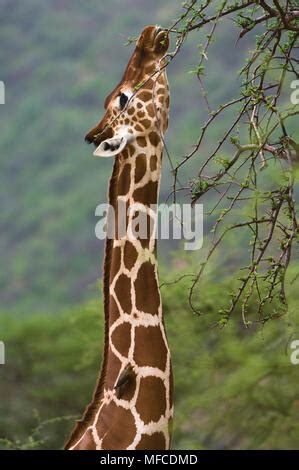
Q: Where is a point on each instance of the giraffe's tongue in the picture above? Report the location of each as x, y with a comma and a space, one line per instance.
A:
111, 147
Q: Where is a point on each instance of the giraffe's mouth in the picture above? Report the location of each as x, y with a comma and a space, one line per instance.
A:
161, 40
153, 39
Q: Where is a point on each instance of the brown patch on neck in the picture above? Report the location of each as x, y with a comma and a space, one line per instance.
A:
152, 391
155, 441
147, 194
140, 167
113, 439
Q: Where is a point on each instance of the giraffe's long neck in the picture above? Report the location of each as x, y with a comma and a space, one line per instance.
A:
135, 388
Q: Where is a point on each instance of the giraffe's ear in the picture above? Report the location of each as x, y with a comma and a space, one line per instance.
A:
111, 147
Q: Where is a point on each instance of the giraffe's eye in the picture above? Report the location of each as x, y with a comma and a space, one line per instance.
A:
122, 100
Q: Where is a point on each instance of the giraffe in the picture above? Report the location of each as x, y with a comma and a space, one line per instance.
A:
132, 406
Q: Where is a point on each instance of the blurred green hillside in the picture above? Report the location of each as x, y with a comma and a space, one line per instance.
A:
234, 387
59, 60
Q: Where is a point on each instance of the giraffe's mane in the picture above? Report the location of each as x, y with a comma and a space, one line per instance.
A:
98, 391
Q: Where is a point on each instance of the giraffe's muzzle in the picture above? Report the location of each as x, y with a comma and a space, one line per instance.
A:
113, 146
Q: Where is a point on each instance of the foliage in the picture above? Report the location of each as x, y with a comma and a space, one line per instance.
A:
265, 122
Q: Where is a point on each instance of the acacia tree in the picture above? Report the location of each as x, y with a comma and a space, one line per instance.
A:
258, 135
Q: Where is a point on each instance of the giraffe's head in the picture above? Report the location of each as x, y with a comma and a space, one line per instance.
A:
139, 102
